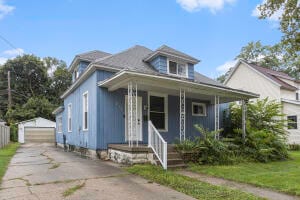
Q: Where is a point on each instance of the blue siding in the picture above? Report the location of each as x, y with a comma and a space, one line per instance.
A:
160, 64
79, 137
190, 71
173, 118
106, 118
80, 69
82, 66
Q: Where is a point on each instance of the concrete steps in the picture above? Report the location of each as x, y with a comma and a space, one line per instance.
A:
174, 159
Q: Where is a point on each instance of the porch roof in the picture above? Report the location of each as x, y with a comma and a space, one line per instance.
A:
171, 85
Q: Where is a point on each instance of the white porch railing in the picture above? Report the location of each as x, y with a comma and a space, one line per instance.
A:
158, 144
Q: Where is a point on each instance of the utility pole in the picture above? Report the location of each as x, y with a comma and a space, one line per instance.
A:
9, 90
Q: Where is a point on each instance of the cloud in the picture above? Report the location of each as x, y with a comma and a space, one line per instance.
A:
226, 66
274, 18
10, 54
5, 9
3, 60
212, 5
14, 52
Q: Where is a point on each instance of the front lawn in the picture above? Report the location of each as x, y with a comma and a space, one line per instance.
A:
5, 155
282, 176
189, 186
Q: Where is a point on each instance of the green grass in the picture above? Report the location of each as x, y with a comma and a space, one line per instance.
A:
6, 154
71, 190
283, 176
189, 186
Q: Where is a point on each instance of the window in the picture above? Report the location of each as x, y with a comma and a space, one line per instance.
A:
85, 110
158, 112
178, 69
198, 109
70, 117
297, 96
292, 122
59, 124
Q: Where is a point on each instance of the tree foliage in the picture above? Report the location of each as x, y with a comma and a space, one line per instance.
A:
35, 88
283, 56
289, 22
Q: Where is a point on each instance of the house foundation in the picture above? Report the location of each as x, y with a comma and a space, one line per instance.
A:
122, 153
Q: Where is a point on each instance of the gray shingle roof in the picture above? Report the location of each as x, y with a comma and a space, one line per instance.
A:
164, 49
200, 78
275, 76
131, 59
93, 55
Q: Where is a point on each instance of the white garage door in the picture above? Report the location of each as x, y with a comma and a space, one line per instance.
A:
40, 135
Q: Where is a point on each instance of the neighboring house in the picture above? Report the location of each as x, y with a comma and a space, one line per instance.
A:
271, 84
2, 122
38, 130
139, 95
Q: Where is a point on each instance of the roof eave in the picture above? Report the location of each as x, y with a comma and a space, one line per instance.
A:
104, 83
153, 55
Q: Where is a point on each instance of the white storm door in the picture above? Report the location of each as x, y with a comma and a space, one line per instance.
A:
139, 118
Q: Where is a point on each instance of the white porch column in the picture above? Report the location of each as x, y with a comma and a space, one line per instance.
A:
182, 114
244, 110
132, 113
217, 115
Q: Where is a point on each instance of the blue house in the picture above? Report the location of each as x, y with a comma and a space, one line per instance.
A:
141, 98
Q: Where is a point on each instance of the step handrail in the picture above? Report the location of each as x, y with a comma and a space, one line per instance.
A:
157, 143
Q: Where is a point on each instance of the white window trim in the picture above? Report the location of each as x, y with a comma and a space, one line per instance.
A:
177, 75
59, 117
68, 117
87, 103
199, 104
165, 96
296, 122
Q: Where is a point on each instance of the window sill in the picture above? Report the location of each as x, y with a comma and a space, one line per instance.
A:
178, 76
198, 115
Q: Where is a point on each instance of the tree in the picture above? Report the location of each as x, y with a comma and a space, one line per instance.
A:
60, 81
28, 78
283, 56
289, 22
35, 91
38, 106
52, 64
272, 57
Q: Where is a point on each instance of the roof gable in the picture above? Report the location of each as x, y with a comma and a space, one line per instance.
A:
267, 73
168, 51
89, 56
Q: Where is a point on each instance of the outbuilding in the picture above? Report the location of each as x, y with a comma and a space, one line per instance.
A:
38, 130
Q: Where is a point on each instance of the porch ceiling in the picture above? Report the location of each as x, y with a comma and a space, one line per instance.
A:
171, 86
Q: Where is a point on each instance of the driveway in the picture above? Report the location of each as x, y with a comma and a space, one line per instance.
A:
41, 171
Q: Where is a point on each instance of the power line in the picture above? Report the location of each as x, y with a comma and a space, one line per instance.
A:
10, 44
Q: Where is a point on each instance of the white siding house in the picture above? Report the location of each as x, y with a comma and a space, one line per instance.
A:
274, 85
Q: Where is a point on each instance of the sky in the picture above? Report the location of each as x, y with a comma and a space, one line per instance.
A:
213, 31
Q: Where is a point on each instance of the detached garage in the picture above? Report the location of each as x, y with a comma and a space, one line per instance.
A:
38, 130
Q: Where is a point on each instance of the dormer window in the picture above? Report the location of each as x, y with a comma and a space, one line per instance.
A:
177, 69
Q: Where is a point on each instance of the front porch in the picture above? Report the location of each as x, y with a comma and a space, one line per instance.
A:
159, 110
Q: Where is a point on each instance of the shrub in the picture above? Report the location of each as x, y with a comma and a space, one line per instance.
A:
294, 147
14, 133
266, 135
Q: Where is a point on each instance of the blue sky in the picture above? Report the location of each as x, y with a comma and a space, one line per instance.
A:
211, 30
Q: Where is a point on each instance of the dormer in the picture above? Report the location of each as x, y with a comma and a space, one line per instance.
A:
81, 62
169, 61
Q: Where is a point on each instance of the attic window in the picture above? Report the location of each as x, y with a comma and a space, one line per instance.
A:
178, 69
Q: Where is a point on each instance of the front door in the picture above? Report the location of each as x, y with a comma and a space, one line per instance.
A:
139, 128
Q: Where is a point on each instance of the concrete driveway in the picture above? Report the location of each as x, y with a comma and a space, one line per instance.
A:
41, 171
